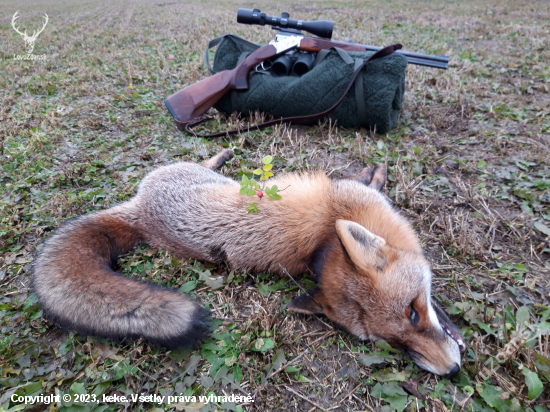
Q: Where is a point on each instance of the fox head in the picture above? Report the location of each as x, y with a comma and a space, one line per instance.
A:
376, 291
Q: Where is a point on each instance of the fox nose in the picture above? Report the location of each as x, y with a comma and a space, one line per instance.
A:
454, 371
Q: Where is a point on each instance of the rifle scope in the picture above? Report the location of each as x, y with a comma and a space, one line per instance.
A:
321, 28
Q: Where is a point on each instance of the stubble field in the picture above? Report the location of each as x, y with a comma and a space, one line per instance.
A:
468, 164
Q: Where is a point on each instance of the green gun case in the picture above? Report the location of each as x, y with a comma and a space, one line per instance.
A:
374, 102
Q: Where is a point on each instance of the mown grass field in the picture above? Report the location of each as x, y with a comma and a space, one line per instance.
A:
469, 165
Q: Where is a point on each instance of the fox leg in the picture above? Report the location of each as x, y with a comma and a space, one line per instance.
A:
374, 177
364, 176
217, 161
379, 176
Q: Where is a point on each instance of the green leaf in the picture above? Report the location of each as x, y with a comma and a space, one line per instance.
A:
541, 227
533, 383
268, 175
302, 378
369, 359
237, 373
188, 286
77, 387
258, 172
382, 344
376, 391
231, 276
215, 282
541, 184
393, 389
17, 408
263, 344
521, 267
392, 393
174, 262
522, 316
245, 179
398, 402
543, 365
250, 191
267, 168
267, 160
65, 347
388, 376
207, 381
275, 197
24, 361
265, 290
278, 359
243, 190
292, 369
36, 387
496, 399
181, 354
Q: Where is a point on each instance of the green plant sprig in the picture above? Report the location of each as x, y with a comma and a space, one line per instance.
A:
250, 187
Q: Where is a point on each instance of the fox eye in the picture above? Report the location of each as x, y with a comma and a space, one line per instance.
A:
414, 317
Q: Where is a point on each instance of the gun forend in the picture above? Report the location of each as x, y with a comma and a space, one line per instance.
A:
312, 44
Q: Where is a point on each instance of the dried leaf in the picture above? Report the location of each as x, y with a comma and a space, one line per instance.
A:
412, 387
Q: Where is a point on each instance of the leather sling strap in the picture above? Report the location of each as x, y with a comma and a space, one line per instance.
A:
188, 127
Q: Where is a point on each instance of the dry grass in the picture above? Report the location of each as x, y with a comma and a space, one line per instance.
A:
468, 162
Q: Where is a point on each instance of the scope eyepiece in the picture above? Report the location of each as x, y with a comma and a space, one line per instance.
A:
321, 28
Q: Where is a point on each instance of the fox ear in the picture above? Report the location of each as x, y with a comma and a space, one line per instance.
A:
307, 303
364, 248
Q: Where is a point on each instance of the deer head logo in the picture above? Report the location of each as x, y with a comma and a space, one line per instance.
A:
29, 40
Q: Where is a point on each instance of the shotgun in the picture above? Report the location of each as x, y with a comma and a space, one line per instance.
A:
323, 28
191, 103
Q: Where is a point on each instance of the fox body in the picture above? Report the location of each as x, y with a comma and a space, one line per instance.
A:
372, 277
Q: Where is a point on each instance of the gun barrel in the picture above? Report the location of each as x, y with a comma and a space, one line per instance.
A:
323, 28
439, 62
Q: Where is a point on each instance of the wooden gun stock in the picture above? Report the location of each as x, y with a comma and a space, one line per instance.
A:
192, 102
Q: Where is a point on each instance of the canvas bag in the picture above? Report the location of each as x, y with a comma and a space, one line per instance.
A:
373, 102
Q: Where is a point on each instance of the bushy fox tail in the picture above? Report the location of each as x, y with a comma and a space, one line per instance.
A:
74, 281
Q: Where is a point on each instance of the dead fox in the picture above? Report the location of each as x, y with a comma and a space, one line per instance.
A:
373, 279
